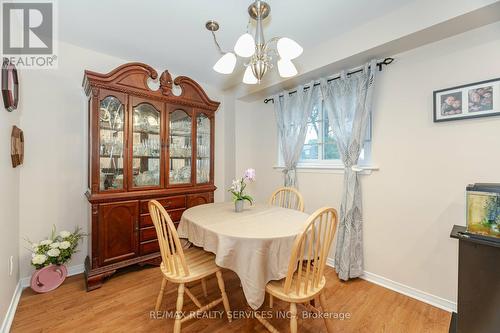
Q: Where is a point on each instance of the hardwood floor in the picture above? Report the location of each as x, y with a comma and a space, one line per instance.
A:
125, 302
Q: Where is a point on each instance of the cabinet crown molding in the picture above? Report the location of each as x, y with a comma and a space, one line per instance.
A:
132, 78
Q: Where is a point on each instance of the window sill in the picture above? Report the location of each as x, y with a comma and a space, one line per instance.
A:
322, 168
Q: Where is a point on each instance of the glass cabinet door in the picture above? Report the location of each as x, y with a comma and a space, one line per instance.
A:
202, 149
180, 148
146, 146
111, 134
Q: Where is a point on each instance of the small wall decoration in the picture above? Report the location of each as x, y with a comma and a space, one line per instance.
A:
10, 85
17, 146
480, 99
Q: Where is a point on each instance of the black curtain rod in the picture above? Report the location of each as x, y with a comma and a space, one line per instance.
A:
386, 61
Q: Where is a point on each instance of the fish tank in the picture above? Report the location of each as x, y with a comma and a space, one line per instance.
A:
483, 209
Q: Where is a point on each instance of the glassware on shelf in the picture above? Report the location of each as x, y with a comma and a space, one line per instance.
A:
148, 178
111, 120
180, 123
202, 171
150, 147
202, 149
180, 148
146, 145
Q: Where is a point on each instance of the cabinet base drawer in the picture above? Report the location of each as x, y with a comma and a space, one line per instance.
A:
148, 247
147, 234
169, 203
199, 199
175, 215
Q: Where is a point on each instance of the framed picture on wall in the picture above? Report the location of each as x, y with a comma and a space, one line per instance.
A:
480, 99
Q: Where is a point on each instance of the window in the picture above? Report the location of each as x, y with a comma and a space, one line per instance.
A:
319, 144
320, 149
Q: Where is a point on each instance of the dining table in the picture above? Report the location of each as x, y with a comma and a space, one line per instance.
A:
256, 243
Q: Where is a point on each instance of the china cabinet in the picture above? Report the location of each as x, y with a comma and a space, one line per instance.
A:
144, 144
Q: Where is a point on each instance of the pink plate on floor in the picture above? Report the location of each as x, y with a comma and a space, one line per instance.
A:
48, 278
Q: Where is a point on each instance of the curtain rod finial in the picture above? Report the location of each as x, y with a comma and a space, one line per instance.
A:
388, 61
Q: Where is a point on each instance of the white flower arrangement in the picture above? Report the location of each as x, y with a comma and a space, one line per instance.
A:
65, 234
46, 242
64, 245
38, 259
53, 252
57, 249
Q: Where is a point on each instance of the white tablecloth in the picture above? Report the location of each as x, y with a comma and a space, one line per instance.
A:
255, 243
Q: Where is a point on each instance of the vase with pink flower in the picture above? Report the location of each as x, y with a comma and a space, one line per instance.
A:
238, 190
49, 257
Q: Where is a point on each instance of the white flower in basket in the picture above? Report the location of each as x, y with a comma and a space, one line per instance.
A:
65, 234
38, 259
53, 252
64, 245
57, 249
46, 242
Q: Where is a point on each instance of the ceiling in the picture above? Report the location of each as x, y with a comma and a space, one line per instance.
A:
171, 34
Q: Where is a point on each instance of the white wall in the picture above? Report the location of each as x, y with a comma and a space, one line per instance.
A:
412, 202
9, 207
53, 178
229, 142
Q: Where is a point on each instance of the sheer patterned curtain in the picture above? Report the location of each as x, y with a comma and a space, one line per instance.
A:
348, 101
292, 112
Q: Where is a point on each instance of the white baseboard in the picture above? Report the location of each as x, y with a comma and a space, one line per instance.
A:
405, 290
24, 283
330, 262
11, 311
75, 270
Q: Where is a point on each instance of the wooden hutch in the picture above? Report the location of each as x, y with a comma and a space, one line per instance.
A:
143, 144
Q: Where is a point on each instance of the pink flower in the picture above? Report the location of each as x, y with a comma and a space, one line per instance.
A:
250, 174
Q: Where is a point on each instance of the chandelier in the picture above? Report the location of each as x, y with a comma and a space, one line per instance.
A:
259, 52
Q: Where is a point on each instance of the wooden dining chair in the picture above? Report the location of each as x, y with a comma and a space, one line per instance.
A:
182, 266
305, 278
287, 197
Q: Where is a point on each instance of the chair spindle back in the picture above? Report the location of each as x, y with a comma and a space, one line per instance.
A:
171, 251
310, 252
287, 197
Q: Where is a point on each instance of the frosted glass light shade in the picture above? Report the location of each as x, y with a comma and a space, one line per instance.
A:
248, 77
245, 46
286, 68
288, 48
226, 63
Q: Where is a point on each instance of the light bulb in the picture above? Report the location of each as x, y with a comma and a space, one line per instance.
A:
226, 63
248, 77
288, 48
286, 68
245, 46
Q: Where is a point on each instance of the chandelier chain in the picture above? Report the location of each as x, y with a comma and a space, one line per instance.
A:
217, 43
248, 25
